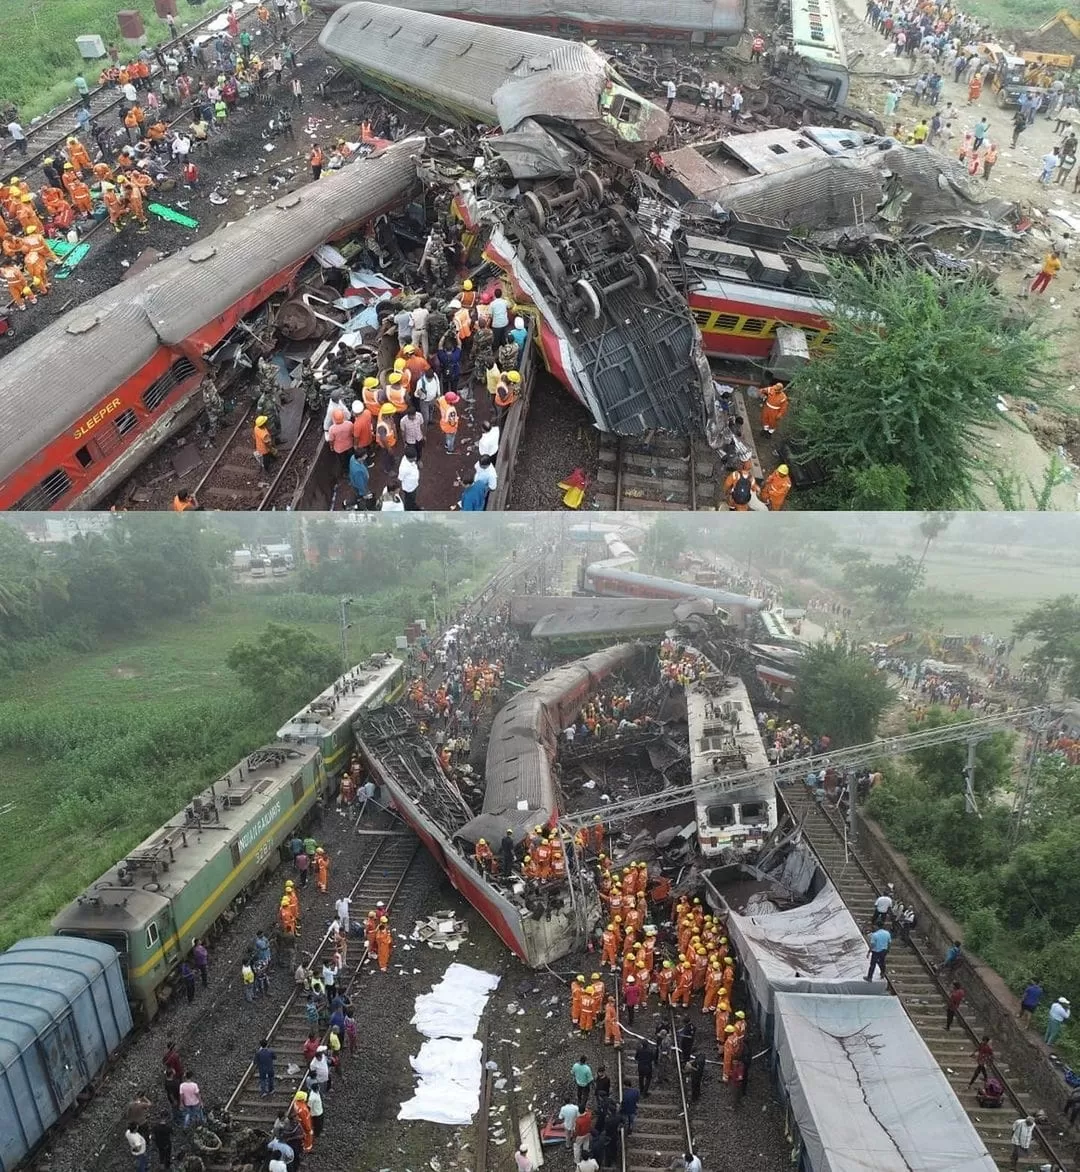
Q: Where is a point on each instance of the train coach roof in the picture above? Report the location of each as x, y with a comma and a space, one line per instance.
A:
469, 64
685, 589
625, 617
865, 1090
53, 379
40, 978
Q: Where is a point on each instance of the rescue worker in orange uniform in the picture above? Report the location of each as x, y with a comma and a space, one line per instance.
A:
77, 154
384, 944
37, 269
263, 440
665, 982
371, 928
684, 985
397, 393
448, 418
27, 215
975, 87
776, 488
713, 986
612, 1029
322, 869
774, 406
68, 177
542, 856
485, 859
286, 918
577, 991
740, 1024
597, 829
728, 977
53, 200
302, 1113
732, 1049
133, 196
11, 246
723, 1016
19, 288
609, 947
386, 436
506, 395
700, 966
293, 898
81, 197
103, 173
467, 296
589, 1008
739, 487
114, 204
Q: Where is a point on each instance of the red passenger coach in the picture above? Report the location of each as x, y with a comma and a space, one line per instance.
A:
86, 400
740, 320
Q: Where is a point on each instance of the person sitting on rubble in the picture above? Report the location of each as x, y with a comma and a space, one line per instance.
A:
991, 1093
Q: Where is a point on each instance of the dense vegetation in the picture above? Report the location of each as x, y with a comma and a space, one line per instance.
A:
896, 405
116, 698
839, 692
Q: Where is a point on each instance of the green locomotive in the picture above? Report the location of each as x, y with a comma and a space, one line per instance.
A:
175, 884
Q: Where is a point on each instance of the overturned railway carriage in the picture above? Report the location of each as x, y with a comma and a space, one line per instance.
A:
520, 792
85, 401
175, 884
601, 578
699, 23
326, 722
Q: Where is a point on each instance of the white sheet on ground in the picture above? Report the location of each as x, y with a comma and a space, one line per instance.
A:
449, 1062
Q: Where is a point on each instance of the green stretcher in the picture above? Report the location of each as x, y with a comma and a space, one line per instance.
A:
172, 215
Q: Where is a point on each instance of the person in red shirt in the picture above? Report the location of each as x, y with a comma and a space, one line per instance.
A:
983, 1056
956, 996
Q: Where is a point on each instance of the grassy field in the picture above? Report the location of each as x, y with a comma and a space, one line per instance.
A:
97, 750
40, 59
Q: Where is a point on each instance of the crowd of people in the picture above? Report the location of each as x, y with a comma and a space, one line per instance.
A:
148, 145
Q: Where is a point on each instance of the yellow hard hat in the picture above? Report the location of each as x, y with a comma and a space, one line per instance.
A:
611, 927
284, 901
260, 421
399, 363
408, 348
68, 167
386, 409
630, 980
783, 469
739, 1014
528, 858
289, 885
581, 977
370, 383
514, 376
394, 379
668, 964
481, 842
301, 1096
467, 285
383, 920
595, 977
729, 1029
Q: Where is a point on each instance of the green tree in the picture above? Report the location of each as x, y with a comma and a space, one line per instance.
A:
1055, 627
890, 584
880, 488
838, 691
931, 526
285, 667
913, 374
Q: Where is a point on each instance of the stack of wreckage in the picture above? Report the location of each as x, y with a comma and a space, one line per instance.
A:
641, 261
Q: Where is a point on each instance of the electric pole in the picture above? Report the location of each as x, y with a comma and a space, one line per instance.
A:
345, 603
970, 806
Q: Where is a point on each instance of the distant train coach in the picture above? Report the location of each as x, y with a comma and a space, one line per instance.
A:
175, 884
704, 23
601, 578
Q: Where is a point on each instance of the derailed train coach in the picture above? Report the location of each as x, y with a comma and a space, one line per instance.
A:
703, 24
86, 400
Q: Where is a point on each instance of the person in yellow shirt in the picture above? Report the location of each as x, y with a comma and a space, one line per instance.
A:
1051, 266
921, 132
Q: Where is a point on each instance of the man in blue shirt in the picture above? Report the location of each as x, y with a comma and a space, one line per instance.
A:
583, 1080
880, 939
474, 497
264, 1064
359, 478
1031, 998
500, 318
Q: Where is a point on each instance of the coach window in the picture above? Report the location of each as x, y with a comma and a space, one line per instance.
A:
720, 815
152, 936
161, 388
84, 457
50, 490
297, 789
752, 811
234, 850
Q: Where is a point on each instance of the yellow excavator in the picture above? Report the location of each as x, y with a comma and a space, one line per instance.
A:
1056, 60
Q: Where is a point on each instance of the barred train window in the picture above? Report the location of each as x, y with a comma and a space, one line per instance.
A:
160, 389
46, 494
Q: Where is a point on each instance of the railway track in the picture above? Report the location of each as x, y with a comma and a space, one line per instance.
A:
914, 979
381, 878
656, 472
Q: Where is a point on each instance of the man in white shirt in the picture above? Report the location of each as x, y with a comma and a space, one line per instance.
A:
882, 907
588, 1164
488, 444
342, 909
17, 135
390, 501
137, 1145
277, 1165
670, 90
1022, 1131
484, 472
181, 147
420, 317
568, 1116
409, 477
131, 94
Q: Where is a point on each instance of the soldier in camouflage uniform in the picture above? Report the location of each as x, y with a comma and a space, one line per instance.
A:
433, 264
437, 323
269, 402
483, 351
215, 407
507, 357
313, 394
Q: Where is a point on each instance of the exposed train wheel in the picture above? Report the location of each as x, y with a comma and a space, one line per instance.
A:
549, 260
758, 103
633, 236
593, 185
650, 271
589, 297
534, 207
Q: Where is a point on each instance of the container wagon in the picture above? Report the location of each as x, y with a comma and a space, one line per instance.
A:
63, 1012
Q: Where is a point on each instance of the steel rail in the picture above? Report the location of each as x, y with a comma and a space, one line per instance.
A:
687, 1130
291, 1001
